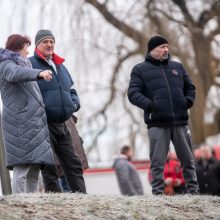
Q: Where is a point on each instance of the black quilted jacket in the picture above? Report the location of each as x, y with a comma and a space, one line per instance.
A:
163, 90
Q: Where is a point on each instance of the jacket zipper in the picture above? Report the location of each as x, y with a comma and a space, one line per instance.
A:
61, 100
61, 94
168, 87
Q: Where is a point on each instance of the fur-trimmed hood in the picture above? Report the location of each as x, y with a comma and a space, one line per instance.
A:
14, 56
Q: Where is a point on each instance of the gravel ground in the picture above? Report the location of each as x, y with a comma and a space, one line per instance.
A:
89, 207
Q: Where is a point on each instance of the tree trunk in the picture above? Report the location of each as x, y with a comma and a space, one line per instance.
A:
4, 173
197, 115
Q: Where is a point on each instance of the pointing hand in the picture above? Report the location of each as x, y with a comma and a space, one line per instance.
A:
46, 75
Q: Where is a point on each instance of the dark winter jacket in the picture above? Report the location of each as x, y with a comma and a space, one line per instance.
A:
127, 176
60, 99
163, 90
208, 176
77, 142
24, 123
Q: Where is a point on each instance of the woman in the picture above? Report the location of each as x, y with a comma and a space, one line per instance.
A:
24, 123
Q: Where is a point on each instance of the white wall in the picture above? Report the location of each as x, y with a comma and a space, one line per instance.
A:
106, 183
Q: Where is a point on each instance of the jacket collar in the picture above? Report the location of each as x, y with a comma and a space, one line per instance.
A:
56, 59
14, 56
150, 59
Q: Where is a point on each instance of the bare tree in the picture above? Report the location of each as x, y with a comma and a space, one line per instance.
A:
102, 40
191, 43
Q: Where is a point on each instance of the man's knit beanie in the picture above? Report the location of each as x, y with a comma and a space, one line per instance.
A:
41, 35
155, 42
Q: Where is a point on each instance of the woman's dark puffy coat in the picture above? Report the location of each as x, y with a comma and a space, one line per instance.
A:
163, 90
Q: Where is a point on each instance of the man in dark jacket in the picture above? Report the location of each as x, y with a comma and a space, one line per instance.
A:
61, 101
208, 172
165, 92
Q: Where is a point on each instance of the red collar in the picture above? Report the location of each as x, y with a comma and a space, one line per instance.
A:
56, 59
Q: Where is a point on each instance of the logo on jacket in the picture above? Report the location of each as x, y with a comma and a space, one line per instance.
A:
174, 72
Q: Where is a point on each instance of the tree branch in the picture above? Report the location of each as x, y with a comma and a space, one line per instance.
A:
170, 18
127, 109
182, 6
207, 15
103, 110
114, 77
95, 140
120, 25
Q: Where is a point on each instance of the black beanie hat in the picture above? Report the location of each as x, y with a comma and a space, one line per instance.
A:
42, 34
155, 42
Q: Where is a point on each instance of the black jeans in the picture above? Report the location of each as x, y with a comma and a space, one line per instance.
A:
62, 144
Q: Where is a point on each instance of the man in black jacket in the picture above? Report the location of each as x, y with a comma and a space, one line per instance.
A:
61, 101
165, 92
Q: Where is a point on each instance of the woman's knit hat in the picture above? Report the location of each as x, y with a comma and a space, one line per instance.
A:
155, 42
42, 34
